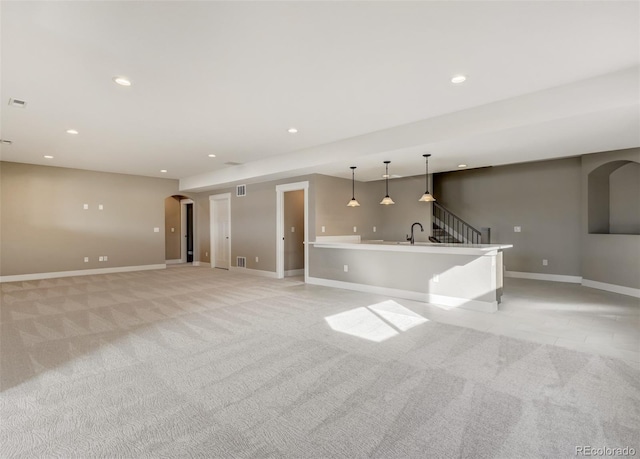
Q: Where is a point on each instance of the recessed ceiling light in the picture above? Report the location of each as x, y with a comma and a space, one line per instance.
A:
164, 171
48, 157
122, 81
292, 130
458, 79
462, 165
72, 131
211, 156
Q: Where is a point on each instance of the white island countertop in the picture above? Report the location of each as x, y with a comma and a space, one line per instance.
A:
418, 247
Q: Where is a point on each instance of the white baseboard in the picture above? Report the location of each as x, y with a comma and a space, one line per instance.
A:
173, 262
294, 272
544, 277
449, 302
80, 272
612, 288
254, 272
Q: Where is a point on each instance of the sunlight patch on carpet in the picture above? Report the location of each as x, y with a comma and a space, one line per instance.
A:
377, 322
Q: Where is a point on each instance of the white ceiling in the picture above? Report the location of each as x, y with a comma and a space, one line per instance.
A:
362, 82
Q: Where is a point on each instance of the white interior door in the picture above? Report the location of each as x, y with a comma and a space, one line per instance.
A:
221, 229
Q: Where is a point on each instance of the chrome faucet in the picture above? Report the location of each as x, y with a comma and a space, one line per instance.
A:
411, 238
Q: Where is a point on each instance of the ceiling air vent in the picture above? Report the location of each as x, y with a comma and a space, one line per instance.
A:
241, 190
17, 103
241, 262
232, 163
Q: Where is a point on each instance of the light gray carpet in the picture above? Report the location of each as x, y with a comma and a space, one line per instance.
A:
193, 362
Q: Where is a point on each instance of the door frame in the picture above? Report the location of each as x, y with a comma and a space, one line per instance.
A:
280, 191
183, 229
212, 221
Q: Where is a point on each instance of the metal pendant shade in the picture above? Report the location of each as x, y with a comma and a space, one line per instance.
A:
426, 197
387, 200
354, 202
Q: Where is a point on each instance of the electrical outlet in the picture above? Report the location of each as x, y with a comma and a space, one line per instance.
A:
173, 230
545, 262
517, 229
346, 268
355, 229
206, 254
106, 258
257, 260
85, 206
293, 229
100, 258
86, 259
156, 230
323, 229
100, 207
435, 278
374, 229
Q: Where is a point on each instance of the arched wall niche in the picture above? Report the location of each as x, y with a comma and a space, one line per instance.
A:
614, 198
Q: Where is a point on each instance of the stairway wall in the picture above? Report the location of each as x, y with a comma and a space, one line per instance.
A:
543, 198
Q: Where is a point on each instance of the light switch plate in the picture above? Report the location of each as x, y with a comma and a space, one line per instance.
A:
517, 229
156, 230
100, 207
85, 206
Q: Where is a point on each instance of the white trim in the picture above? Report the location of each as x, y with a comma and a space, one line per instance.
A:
173, 262
612, 288
280, 190
253, 272
544, 277
80, 272
183, 227
294, 272
448, 301
212, 247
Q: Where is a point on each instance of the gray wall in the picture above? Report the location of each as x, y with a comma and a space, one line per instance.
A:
610, 258
396, 220
172, 219
332, 196
44, 227
543, 198
294, 241
253, 222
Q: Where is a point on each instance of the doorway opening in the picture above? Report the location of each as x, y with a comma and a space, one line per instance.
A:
220, 230
186, 214
292, 229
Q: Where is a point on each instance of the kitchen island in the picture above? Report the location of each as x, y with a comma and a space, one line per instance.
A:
448, 275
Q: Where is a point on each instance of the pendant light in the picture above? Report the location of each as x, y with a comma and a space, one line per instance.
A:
387, 200
426, 197
354, 202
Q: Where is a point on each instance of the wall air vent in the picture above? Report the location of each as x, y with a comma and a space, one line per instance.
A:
232, 163
6, 142
241, 190
17, 103
241, 262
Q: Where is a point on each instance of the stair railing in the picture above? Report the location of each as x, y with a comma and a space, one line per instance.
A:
454, 226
